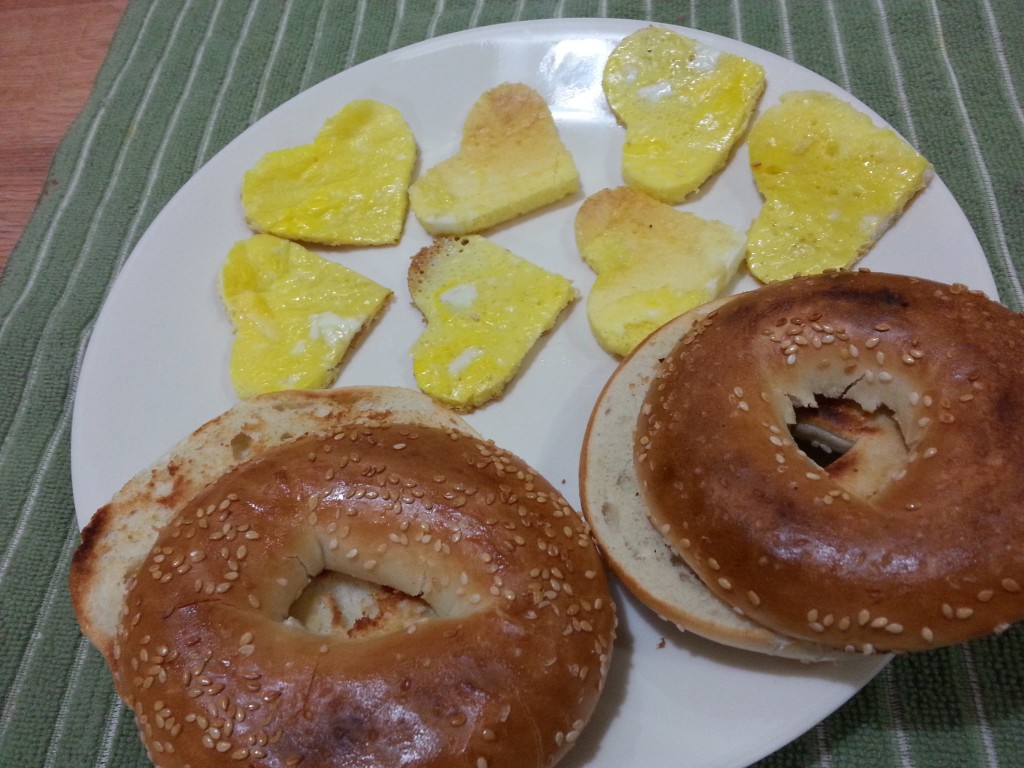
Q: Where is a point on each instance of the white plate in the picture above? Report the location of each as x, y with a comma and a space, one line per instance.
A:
157, 365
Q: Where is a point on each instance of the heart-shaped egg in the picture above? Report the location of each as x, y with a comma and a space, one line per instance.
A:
348, 187
511, 161
653, 263
833, 183
295, 314
684, 105
485, 308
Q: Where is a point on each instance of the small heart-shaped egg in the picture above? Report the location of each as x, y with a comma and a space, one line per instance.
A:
485, 308
833, 182
511, 161
684, 106
652, 261
349, 187
295, 314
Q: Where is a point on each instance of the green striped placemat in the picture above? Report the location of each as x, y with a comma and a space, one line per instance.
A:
184, 77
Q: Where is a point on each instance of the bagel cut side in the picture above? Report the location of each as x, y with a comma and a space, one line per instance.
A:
924, 552
637, 553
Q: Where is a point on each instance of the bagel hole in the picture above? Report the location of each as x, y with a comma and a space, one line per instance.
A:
820, 445
862, 450
345, 606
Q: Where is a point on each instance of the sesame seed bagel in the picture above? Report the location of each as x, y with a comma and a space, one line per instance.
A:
925, 553
640, 557
503, 664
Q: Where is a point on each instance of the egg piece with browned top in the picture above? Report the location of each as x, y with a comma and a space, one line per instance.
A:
485, 308
295, 314
684, 106
348, 187
511, 161
833, 182
653, 263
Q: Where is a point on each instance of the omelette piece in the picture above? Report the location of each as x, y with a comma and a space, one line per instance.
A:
653, 263
484, 308
832, 183
511, 161
295, 314
684, 106
349, 187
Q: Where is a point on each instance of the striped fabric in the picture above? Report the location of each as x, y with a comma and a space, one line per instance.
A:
184, 77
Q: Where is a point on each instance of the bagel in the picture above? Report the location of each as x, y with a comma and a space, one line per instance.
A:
498, 656
934, 553
638, 555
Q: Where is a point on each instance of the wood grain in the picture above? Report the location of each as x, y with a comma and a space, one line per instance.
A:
50, 52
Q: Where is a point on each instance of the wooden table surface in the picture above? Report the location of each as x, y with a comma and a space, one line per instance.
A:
50, 51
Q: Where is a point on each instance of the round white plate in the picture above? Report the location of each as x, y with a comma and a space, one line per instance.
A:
157, 364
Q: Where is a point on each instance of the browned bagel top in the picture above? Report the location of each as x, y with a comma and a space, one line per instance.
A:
504, 668
935, 553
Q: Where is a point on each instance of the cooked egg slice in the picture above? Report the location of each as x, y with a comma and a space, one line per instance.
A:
652, 261
484, 308
295, 314
350, 186
832, 183
684, 106
511, 161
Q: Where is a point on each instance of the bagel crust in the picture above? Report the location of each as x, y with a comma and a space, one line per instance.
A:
926, 553
502, 665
